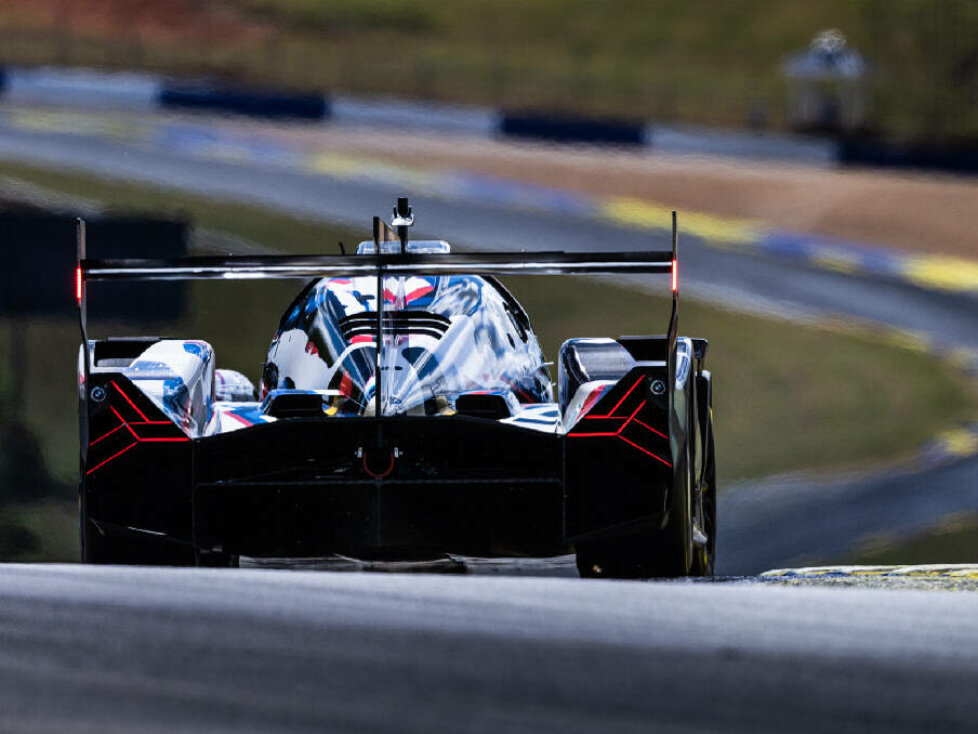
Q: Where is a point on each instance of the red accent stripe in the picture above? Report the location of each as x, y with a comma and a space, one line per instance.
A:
593, 398
624, 425
520, 393
155, 438
632, 416
620, 418
645, 451
623, 397
124, 421
418, 292
240, 419
129, 400
114, 456
121, 425
650, 428
78, 284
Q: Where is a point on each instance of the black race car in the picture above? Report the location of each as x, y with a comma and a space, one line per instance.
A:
405, 411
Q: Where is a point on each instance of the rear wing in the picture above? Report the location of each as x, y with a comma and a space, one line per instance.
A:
378, 265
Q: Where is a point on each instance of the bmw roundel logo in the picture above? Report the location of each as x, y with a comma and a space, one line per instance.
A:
658, 387
98, 393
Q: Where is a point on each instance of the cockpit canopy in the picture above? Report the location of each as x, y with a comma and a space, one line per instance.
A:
441, 336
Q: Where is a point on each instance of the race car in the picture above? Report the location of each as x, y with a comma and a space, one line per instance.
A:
405, 411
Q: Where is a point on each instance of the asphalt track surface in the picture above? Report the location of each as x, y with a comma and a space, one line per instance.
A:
112, 649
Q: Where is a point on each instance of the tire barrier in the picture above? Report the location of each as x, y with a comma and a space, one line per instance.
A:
244, 101
572, 129
878, 153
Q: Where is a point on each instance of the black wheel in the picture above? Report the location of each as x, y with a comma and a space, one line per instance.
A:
102, 548
94, 546
666, 552
704, 559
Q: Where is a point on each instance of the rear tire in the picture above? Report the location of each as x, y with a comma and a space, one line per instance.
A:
98, 549
102, 549
704, 559
666, 552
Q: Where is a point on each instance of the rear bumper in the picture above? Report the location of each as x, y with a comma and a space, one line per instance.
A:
399, 489
381, 519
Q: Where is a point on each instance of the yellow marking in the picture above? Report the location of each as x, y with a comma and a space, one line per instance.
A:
68, 122
641, 214
944, 273
959, 442
925, 570
338, 165
909, 340
334, 164
38, 120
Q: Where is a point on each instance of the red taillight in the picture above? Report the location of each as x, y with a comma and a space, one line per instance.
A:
78, 284
675, 276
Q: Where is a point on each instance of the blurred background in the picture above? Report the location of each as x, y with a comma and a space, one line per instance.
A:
822, 156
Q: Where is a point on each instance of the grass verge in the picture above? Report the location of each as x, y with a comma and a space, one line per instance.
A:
954, 540
39, 531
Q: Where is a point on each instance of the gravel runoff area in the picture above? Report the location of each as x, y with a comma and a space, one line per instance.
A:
908, 210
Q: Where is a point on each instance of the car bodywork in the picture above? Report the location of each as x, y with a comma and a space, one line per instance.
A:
406, 411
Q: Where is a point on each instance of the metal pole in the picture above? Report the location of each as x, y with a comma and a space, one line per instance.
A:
81, 293
380, 321
674, 318
673, 334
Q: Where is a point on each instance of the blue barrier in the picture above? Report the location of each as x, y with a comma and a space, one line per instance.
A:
571, 129
244, 101
956, 159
